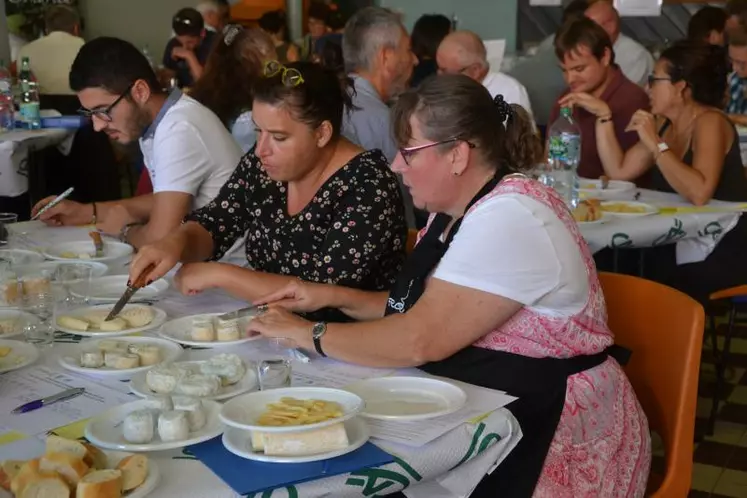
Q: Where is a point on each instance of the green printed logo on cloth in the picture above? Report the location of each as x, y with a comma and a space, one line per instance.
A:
478, 442
620, 240
376, 480
675, 233
270, 493
713, 230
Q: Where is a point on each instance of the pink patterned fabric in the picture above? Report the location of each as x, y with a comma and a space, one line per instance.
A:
602, 446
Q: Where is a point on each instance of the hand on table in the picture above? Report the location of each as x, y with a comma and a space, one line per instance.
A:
298, 295
66, 212
193, 278
277, 322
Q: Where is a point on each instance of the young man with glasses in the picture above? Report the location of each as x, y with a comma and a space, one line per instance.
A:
187, 51
189, 154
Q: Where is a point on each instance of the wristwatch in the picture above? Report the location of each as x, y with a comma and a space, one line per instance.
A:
663, 147
317, 331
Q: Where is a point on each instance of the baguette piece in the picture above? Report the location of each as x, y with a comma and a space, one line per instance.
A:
8, 470
70, 467
100, 484
28, 471
45, 485
95, 458
134, 471
57, 444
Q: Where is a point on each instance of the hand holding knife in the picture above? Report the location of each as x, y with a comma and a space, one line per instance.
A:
131, 290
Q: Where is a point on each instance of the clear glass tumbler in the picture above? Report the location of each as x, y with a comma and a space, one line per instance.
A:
276, 368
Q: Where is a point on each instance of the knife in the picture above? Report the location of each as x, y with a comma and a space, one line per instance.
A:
128, 293
39, 403
242, 312
98, 243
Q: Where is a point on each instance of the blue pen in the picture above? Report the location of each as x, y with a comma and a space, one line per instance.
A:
36, 404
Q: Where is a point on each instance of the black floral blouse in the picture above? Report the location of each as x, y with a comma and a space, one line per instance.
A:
351, 233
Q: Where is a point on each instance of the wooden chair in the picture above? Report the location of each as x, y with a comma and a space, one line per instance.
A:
664, 329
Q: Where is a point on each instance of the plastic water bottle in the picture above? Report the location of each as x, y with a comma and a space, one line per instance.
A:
7, 120
29, 106
564, 152
146, 53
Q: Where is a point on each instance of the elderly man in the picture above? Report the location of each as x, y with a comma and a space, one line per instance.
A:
214, 13
634, 60
463, 52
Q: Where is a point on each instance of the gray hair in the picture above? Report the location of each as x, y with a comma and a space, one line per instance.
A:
205, 6
371, 29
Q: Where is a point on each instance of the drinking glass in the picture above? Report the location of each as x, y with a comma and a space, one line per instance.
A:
275, 369
78, 275
6, 219
41, 304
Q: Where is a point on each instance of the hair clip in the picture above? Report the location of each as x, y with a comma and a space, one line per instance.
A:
504, 108
230, 33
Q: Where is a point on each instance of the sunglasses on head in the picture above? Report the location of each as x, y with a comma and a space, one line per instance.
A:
289, 76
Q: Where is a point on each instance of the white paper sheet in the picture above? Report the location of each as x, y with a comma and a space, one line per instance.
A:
22, 386
637, 8
322, 372
546, 3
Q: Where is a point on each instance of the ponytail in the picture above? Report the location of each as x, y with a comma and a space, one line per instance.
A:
523, 147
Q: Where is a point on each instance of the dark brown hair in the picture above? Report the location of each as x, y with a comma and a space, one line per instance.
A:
707, 19
323, 95
583, 32
235, 63
455, 106
703, 67
737, 8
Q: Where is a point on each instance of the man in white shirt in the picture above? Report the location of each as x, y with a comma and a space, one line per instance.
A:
188, 152
634, 60
52, 55
463, 52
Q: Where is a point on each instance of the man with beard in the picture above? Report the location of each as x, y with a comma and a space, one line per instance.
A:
587, 60
187, 151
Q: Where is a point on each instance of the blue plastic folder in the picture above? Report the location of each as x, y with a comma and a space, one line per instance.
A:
247, 476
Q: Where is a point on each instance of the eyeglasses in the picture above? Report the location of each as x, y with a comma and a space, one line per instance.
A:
408, 152
653, 79
737, 63
289, 76
105, 113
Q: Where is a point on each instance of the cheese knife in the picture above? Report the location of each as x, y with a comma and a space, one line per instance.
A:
98, 243
128, 293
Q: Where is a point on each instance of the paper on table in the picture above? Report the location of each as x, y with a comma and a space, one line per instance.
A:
633, 8
26, 385
329, 373
479, 402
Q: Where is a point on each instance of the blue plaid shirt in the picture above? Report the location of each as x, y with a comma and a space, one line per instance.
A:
737, 102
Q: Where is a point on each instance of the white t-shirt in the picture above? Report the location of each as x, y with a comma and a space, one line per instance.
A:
51, 58
516, 247
190, 151
513, 92
634, 60
244, 131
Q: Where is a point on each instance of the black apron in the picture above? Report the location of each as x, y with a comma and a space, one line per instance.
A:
539, 383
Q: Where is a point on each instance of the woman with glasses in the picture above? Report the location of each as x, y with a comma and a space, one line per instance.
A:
231, 70
501, 291
692, 149
312, 205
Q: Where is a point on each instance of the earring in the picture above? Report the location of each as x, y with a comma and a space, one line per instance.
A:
455, 173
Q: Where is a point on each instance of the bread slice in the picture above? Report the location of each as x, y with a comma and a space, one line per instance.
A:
45, 485
95, 458
57, 444
28, 471
134, 471
8, 470
67, 465
100, 484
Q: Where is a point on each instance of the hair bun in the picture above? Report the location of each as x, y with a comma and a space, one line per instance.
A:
504, 108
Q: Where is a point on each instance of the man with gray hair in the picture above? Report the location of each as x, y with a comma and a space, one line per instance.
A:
52, 55
376, 50
463, 52
214, 13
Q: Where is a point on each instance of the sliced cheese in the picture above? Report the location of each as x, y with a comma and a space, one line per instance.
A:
312, 442
134, 471
73, 323
100, 484
70, 467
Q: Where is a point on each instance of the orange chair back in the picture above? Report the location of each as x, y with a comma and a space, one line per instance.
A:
412, 237
664, 329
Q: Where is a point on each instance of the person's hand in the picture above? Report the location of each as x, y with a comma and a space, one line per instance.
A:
586, 101
66, 212
298, 295
153, 261
193, 278
117, 217
179, 53
277, 322
644, 123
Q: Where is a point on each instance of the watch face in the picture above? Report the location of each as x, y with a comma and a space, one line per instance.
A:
318, 330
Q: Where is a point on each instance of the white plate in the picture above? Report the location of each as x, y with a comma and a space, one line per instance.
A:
243, 411
169, 352
112, 251
113, 458
179, 330
139, 386
21, 318
239, 442
158, 319
604, 219
21, 355
649, 209
594, 187
106, 429
21, 256
408, 398
110, 289
97, 269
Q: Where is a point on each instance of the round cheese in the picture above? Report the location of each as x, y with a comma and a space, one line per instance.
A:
163, 379
202, 330
173, 426
138, 427
149, 355
198, 385
111, 358
229, 367
137, 316
161, 403
196, 416
92, 359
112, 345
228, 330
127, 360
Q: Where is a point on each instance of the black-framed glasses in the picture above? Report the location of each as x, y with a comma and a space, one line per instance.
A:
408, 152
289, 76
653, 79
105, 113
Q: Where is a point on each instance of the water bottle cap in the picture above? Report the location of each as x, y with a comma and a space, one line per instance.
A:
566, 111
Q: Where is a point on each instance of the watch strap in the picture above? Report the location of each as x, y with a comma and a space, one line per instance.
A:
317, 332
